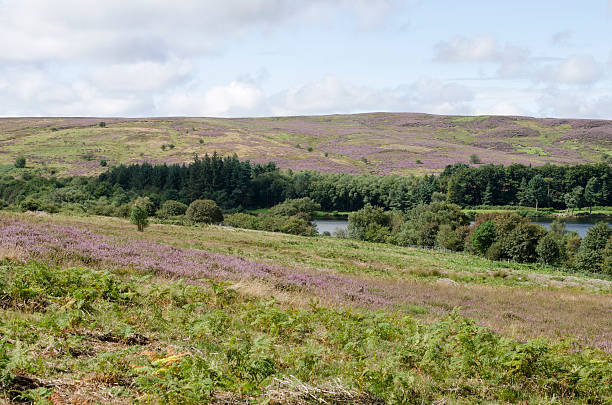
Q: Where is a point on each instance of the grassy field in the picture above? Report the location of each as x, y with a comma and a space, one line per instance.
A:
182, 314
398, 143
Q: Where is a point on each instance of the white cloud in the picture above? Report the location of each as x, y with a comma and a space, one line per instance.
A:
234, 99
326, 96
331, 95
127, 31
142, 76
506, 108
512, 60
461, 49
574, 70
571, 103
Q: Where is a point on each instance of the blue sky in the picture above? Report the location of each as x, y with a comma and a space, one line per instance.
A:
287, 57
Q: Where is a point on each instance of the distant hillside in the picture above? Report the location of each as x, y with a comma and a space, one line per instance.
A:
380, 143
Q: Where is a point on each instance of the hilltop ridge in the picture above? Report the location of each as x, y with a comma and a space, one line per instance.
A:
377, 143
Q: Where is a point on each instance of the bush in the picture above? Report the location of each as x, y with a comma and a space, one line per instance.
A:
292, 207
548, 250
422, 223
448, 238
369, 223
20, 162
296, 225
147, 204
483, 237
204, 211
520, 244
241, 220
34, 204
139, 217
590, 256
607, 254
171, 208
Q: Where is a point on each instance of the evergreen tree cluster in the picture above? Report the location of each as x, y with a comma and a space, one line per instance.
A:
542, 186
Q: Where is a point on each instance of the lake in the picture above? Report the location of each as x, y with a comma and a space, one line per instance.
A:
574, 225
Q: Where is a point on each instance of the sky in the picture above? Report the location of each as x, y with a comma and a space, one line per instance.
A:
245, 58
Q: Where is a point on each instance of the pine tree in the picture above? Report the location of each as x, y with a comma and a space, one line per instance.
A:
521, 194
487, 196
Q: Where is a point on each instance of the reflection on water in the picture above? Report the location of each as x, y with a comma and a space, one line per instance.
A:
330, 225
582, 227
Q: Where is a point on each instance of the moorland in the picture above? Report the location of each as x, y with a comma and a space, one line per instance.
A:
142, 274
376, 143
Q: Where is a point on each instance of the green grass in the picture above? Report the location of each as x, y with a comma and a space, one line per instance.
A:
92, 335
543, 301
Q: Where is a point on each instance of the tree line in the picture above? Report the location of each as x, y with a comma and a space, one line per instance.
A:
233, 183
236, 185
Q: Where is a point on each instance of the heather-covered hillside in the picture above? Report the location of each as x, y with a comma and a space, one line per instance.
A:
380, 143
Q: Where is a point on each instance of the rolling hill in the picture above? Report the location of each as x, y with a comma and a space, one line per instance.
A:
378, 143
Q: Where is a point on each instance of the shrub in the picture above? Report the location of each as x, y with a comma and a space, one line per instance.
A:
20, 162
520, 244
494, 252
35, 204
296, 225
102, 124
242, 220
474, 159
483, 237
147, 204
449, 238
204, 211
590, 256
607, 254
103, 163
369, 222
171, 208
422, 223
139, 217
548, 250
294, 206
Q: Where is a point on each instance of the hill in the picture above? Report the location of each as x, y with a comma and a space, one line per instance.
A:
190, 315
379, 143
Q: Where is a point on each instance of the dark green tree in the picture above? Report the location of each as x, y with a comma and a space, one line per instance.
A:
483, 237
536, 190
521, 194
592, 192
204, 211
487, 196
590, 256
548, 250
20, 162
139, 217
